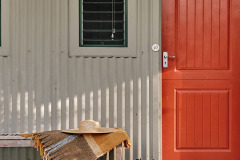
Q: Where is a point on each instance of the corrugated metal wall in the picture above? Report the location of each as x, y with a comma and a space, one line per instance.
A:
42, 88
19, 154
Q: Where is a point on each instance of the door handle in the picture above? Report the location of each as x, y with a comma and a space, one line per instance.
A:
165, 59
169, 56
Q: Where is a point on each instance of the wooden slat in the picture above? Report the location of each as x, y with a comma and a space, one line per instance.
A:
190, 110
224, 120
206, 120
214, 120
224, 29
207, 50
199, 115
181, 103
199, 34
216, 33
191, 12
182, 33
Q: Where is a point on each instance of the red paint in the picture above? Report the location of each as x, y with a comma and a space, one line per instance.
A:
201, 86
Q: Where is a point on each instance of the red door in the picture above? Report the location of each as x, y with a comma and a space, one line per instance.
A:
201, 86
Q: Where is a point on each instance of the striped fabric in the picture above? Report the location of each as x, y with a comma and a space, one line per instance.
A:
58, 145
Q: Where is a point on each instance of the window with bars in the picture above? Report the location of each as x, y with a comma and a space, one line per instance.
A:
103, 23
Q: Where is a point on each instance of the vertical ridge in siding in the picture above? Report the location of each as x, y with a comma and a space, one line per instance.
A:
79, 88
82, 75
145, 82
34, 70
96, 89
103, 91
1, 95
14, 64
57, 64
127, 101
53, 86
156, 84
72, 93
119, 92
38, 67
87, 77
46, 64
30, 66
112, 93
63, 64
23, 113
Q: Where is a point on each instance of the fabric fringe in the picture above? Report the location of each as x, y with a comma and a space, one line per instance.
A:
37, 144
127, 143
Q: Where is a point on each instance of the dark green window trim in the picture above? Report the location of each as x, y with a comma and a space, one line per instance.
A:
125, 25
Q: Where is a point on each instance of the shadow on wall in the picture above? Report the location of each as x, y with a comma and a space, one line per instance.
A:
103, 89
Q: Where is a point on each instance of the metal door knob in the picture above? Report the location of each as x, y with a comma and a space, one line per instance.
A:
165, 59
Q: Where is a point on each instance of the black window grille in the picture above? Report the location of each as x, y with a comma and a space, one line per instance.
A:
103, 23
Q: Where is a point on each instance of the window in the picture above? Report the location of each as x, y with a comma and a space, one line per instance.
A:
100, 28
103, 23
4, 27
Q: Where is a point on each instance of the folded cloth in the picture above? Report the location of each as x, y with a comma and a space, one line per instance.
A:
59, 145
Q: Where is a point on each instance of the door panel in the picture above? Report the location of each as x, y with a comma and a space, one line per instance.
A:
201, 85
197, 32
200, 120
202, 34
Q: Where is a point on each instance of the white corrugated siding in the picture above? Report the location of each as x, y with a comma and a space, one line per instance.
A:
42, 88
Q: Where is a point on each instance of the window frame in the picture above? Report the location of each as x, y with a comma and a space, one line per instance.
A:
125, 27
76, 50
4, 28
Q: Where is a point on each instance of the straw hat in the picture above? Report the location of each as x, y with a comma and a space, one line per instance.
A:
89, 126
